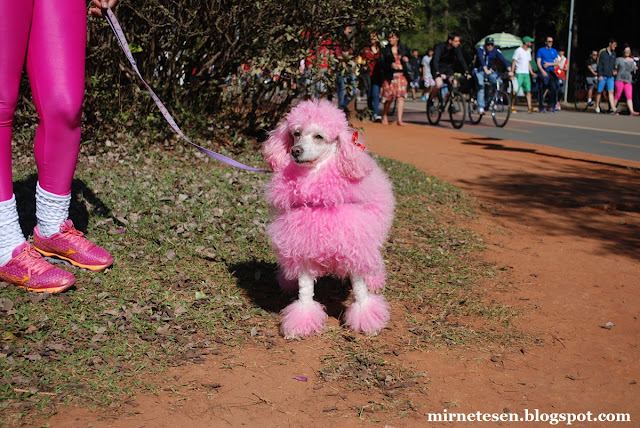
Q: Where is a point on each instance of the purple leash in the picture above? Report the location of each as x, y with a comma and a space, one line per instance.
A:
117, 30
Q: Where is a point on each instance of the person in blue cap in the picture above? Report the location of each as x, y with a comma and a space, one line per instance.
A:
487, 56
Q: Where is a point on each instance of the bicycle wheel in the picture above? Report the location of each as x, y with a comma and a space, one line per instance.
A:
457, 110
434, 109
500, 108
580, 98
472, 108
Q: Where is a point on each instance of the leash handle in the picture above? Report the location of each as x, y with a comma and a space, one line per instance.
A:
122, 40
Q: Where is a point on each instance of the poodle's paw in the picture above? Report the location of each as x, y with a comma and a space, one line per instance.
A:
289, 286
302, 319
368, 317
376, 281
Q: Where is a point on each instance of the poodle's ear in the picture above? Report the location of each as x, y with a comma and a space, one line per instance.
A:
276, 148
353, 162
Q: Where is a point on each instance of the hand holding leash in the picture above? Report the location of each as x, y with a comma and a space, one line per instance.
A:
101, 5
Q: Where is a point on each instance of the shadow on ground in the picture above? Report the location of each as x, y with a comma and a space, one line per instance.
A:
84, 203
258, 279
601, 200
490, 143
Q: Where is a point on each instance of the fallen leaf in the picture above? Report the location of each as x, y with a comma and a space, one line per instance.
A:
163, 329
608, 325
6, 304
301, 378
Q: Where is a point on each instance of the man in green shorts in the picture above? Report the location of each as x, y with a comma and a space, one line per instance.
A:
522, 66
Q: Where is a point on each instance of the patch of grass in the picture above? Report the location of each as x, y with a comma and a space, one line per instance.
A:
194, 271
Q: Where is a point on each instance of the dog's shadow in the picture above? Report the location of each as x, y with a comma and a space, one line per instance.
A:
258, 279
84, 203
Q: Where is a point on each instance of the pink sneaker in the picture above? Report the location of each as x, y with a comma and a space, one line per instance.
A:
28, 270
69, 245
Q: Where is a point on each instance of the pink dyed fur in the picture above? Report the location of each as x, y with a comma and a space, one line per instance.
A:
302, 319
333, 219
369, 316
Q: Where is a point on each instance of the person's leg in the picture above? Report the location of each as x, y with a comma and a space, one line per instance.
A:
385, 112
375, 99
525, 83
400, 110
493, 79
435, 88
601, 86
553, 92
55, 62
368, 88
15, 21
628, 92
618, 88
20, 264
610, 88
480, 80
559, 92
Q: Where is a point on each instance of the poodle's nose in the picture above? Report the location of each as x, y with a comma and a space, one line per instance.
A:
296, 151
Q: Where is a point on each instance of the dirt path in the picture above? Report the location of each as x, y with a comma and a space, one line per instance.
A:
565, 227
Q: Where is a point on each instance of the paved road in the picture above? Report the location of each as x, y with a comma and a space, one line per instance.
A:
603, 134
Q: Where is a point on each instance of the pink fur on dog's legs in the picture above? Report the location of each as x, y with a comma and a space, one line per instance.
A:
305, 316
376, 281
369, 313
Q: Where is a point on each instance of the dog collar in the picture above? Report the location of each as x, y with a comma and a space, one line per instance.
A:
354, 139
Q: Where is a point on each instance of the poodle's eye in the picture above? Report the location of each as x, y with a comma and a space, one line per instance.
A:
319, 137
296, 133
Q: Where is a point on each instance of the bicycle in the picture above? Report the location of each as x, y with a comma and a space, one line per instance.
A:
497, 101
581, 95
451, 101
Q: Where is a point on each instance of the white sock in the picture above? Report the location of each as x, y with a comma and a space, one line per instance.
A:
10, 233
51, 211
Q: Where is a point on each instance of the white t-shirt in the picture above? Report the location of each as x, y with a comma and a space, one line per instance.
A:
426, 70
522, 58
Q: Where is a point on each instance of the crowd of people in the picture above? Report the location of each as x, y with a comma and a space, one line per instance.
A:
392, 72
386, 72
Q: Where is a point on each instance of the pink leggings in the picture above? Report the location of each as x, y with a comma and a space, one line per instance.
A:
625, 87
51, 36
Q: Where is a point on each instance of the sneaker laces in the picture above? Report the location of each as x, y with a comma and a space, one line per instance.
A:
69, 230
33, 260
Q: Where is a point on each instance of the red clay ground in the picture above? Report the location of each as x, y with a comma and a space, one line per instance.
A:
565, 226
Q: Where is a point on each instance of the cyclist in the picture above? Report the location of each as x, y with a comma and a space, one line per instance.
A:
447, 58
486, 57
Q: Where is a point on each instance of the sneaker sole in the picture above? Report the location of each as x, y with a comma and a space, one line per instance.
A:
73, 262
53, 290
50, 290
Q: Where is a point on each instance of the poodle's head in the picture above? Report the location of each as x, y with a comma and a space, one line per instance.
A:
312, 133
